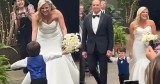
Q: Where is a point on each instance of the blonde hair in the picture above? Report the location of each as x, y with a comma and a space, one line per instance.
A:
153, 71
138, 16
40, 4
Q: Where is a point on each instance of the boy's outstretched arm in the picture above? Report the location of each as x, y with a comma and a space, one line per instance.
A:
19, 64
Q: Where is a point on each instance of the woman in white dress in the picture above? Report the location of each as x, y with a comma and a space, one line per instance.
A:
141, 25
48, 28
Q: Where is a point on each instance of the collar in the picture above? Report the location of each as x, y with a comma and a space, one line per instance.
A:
122, 58
98, 13
102, 10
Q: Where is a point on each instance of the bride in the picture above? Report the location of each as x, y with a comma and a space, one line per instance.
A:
48, 28
141, 25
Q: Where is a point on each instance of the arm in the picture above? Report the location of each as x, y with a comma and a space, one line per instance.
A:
61, 23
84, 34
34, 26
14, 20
114, 59
84, 38
153, 27
131, 39
19, 64
31, 11
129, 59
110, 34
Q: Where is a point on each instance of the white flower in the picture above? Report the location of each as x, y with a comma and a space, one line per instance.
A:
71, 43
146, 37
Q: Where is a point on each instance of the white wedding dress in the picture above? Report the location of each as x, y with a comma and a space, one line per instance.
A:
60, 70
139, 53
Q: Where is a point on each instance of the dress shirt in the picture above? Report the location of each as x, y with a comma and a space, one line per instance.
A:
103, 11
95, 22
115, 59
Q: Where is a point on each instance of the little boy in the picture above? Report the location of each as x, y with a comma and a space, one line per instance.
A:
123, 64
35, 63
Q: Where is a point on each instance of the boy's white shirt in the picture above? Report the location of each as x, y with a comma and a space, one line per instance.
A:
23, 62
115, 59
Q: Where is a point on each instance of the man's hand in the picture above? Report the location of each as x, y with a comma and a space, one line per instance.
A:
84, 54
150, 53
109, 53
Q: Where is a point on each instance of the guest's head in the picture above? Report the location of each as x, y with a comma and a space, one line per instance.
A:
103, 5
96, 6
142, 15
121, 52
33, 48
153, 71
81, 8
44, 8
20, 3
81, 12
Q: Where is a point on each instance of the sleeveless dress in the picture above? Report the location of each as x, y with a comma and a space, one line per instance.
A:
139, 54
24, 35
61, 70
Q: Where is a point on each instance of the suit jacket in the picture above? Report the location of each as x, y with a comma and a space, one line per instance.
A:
103, 39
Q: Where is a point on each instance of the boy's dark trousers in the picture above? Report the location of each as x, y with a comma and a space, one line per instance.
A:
122, 78
39, 81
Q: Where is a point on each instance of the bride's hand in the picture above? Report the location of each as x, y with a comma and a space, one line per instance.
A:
64, 52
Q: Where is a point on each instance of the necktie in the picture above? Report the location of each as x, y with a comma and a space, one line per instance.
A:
95, 16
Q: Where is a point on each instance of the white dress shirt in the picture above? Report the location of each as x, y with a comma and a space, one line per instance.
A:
80, 32
103, 11
95, 22
115, 59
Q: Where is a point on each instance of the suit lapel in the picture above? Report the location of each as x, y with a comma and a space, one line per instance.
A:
90, 22
100, 21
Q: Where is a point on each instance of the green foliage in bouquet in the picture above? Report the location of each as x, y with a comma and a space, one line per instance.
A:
119, 35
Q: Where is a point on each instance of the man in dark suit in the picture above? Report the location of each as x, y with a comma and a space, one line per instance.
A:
82, 60
97, 41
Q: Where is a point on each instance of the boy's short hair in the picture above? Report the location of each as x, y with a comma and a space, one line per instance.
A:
33, 48
121, 49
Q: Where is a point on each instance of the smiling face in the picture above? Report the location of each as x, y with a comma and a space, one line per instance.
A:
45, 9
121, 54
96, 6
20, 3
144, 15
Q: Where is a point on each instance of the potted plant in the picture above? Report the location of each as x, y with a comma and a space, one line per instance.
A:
119, 36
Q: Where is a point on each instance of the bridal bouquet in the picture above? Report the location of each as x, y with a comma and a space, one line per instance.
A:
71, 43
147, 37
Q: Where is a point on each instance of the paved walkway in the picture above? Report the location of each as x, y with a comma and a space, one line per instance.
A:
17, 76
